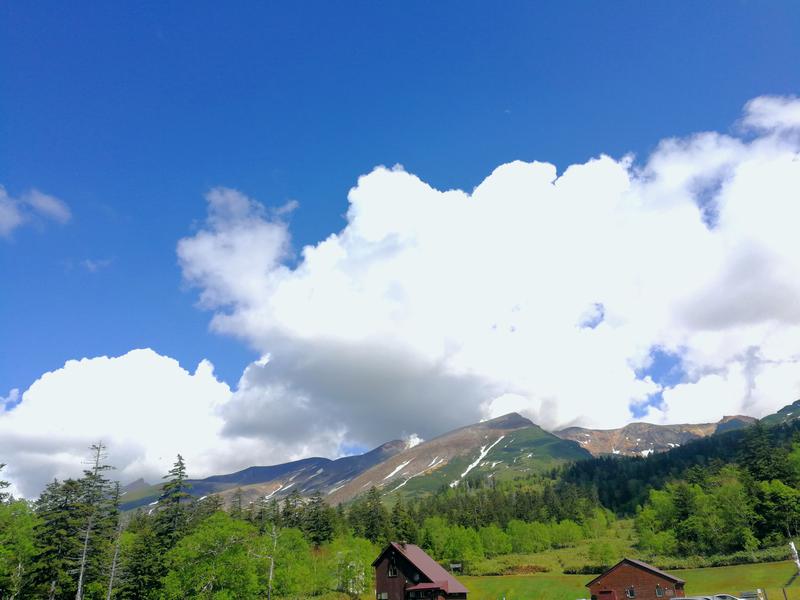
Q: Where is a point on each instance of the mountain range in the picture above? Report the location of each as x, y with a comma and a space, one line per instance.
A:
503, 448
642, 439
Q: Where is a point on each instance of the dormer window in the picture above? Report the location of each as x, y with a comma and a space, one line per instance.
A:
392, 571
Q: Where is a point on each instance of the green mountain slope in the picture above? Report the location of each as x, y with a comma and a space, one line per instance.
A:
504, 447
784, 415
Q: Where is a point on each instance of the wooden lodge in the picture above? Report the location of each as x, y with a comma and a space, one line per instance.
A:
406, 572
632, 579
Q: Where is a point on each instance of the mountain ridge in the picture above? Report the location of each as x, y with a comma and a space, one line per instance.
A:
642, 439
503, 447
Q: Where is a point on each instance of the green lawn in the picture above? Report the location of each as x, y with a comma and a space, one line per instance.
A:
732, 580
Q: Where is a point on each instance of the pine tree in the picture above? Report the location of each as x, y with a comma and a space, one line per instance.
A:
376, 518
115, 555
237, 501
142, 565
100, 514
4, 496
292, 512
762, 457
172, 515
403, 527
61, 519
318, 520
199, 510
265, 514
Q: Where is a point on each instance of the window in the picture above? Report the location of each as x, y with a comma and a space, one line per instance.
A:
630, 592
659, 591
392, 572
383, 595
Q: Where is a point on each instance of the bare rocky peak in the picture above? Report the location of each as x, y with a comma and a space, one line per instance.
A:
643, 439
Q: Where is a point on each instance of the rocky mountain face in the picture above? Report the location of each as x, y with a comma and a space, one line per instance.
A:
308, 475
502, 447
643, 439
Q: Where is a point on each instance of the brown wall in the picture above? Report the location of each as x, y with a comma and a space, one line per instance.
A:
643, 581
396, 586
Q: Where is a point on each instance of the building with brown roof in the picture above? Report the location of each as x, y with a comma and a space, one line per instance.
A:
406, 572
633, 579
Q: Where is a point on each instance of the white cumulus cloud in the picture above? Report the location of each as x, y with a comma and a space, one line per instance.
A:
142, 405
543, 292
146, 408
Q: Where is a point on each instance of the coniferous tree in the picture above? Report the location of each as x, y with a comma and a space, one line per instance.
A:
117, 540
171, 517
142, 564
292, 512
57, 536
202, 508
237, 504
4, 496
318, 520
762, 456
376, 518
100, 522
266, 513
404, 529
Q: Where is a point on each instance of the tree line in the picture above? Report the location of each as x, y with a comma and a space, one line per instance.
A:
74, 543
734, 492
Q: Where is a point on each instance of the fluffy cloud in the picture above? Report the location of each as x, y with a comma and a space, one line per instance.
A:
15, 212
773, 113
144, 406
544, 293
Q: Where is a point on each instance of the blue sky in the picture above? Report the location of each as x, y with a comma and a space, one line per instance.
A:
130, 113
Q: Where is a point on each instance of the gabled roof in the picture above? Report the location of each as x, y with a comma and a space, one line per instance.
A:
641, 565
427, 566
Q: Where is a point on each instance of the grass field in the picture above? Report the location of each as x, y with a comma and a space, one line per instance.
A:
733, 580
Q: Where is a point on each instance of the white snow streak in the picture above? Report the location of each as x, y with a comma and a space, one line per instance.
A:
273, 492
397, 469
481, 456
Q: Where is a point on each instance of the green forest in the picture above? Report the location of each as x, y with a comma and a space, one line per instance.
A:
731, 498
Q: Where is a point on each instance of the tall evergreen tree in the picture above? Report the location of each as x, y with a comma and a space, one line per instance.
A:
142, 564
404, 529
237, 504
4, 496
318, 520
762, 456
376, 518
171, 509
57, 534
292, 511
101, 515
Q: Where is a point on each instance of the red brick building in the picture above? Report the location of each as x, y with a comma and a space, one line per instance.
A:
405, 572
632, 579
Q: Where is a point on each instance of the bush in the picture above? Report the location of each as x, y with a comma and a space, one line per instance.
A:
565, 534
528, 537
495, 541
